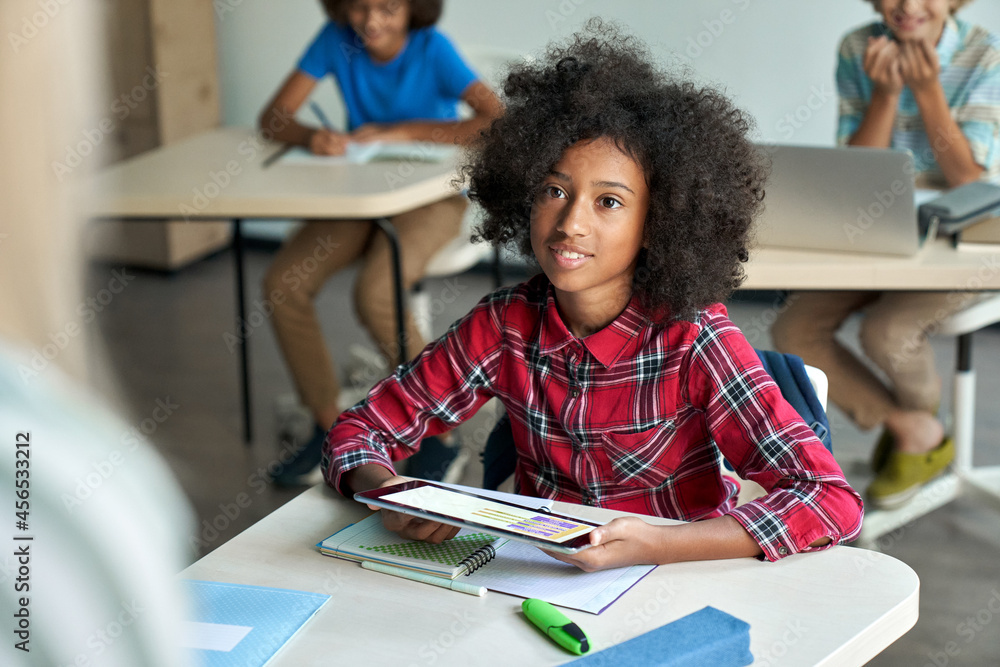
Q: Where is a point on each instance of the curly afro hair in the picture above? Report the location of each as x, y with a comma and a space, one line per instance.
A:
705, 177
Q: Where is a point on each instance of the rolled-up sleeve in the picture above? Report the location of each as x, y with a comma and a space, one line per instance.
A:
445, 385
766, 441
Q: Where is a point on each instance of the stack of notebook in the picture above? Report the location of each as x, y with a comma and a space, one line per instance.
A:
498, 564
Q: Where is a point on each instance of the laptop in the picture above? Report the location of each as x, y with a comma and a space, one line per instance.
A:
850, 199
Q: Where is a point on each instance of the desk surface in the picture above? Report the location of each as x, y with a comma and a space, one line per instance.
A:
837, 607
221, 174
937, 266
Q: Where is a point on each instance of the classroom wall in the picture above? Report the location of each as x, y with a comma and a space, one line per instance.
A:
775, 58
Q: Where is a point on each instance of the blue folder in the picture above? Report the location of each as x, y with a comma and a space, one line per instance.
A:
706, 638
274, 614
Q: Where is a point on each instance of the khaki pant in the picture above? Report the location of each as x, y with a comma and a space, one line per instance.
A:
323, 247
893, 335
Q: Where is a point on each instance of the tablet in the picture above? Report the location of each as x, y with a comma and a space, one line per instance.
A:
539, 527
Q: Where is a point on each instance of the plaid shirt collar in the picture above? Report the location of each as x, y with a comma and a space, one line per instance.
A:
615, 341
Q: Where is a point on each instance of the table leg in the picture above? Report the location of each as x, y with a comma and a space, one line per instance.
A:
240, 320
397, 276
964, 404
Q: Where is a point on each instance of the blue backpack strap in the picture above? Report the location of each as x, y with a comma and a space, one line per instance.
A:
789, 373
499, 455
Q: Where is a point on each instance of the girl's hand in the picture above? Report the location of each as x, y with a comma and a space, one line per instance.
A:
919, 65
378, 132
623, 542
327, 142
882, 65
412, 527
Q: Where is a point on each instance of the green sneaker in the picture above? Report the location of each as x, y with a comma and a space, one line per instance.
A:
903, 474
883, 448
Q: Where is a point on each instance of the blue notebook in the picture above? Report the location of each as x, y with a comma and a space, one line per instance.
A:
706, 638
243, 626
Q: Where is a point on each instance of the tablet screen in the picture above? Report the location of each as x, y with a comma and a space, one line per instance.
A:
459, 508
475, 509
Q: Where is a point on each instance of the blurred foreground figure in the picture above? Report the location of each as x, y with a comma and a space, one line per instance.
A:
95, 528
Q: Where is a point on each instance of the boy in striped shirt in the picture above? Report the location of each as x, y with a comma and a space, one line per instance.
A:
918, 79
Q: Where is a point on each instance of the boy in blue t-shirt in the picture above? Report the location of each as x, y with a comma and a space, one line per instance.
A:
401, 80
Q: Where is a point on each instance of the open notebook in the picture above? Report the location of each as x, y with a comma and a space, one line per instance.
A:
500, 565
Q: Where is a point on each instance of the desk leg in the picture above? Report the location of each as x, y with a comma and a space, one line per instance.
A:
240, 320
397, 276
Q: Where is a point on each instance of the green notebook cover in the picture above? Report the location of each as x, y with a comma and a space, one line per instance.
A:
369, 540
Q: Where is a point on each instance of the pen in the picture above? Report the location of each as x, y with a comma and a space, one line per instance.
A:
556, 625
318, 110
459, 586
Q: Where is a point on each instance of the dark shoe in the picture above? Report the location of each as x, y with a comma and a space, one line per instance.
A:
305, 460
883, 448
432, 460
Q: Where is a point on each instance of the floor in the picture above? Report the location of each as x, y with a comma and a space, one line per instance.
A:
169, 339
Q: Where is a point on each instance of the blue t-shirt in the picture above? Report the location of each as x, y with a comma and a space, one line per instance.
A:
424, 82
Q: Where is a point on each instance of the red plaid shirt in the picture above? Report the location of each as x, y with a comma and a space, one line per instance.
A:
632, 418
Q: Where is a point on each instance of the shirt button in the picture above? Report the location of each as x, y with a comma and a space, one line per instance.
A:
575, 393
783, 551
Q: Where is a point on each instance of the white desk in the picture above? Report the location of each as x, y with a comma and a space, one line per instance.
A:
837, 607
224, 174
937, 266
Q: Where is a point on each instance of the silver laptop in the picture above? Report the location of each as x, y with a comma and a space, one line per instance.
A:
850, 199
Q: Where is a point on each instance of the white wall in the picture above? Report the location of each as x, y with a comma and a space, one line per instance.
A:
775, 58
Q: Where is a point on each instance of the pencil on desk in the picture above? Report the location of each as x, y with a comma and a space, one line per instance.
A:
459, 586
274, 157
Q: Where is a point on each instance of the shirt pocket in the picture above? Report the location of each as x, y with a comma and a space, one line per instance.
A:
645, 459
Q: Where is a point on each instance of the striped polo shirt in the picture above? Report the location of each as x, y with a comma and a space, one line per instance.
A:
970, 75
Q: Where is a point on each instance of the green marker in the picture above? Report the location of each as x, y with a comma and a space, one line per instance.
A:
554, 623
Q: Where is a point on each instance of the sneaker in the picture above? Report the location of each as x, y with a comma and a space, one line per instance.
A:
303, 469
433, 460
903, 474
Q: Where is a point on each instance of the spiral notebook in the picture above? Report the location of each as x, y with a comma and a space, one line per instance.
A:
368, 540
498, 564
